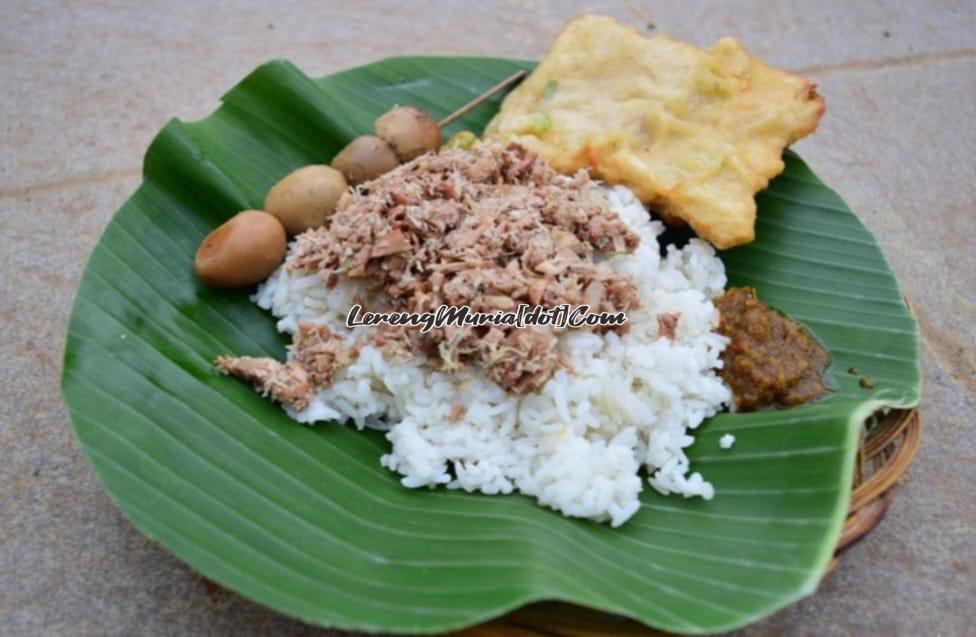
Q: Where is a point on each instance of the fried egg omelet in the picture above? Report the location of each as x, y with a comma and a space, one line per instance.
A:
695, 134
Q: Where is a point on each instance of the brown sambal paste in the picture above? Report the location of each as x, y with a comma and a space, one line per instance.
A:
771, 361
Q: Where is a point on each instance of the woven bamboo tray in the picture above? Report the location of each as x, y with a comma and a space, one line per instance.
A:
888, 444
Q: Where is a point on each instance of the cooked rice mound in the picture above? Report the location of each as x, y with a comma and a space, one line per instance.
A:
576, 445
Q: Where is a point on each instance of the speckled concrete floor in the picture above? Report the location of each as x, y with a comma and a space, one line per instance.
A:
86, 87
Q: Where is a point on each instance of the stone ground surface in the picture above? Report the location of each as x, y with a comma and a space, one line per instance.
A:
86, 87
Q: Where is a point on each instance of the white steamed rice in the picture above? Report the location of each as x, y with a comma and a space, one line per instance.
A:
576, 446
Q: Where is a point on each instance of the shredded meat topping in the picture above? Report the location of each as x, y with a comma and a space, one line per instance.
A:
488, 228
667, 324
521, 360
288, 383
321, 352
456, 413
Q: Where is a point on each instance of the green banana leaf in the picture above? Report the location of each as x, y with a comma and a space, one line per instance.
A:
305, 521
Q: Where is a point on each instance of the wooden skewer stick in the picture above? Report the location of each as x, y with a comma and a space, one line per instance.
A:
515, 77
